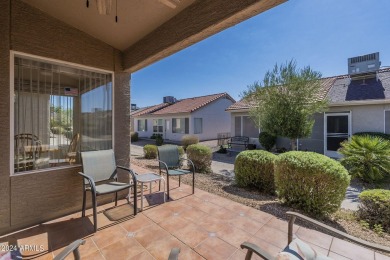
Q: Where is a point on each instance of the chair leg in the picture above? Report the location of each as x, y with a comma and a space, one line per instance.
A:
179, 180
193, 183
94, 206
135, 198
116, 199
168, 186
83, 209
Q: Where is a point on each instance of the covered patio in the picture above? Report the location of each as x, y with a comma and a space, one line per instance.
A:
203, 226
65, 70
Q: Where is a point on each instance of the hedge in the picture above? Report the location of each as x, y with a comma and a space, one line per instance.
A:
310, 181
150, 151
187, 140
267, 140
134, 136
375, 207
255, 169
201, 156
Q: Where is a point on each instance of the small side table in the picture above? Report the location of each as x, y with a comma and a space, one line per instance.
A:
148, 178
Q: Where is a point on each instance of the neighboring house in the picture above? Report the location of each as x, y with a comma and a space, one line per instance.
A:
358, 102
203, 116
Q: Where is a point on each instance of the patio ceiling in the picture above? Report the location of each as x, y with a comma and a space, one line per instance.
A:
148, 30
136, 18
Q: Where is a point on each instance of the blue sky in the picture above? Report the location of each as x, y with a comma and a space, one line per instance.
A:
320, 33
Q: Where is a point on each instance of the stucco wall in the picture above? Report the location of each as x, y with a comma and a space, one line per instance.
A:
215, 119
41, 196
367, 118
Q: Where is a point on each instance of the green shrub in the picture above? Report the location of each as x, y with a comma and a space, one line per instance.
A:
181, 151
159, 140
255, 169
267, 140
134, 136
375, 208
310, 181
201, 156
366, 157
374, 134
187, 140
150, 151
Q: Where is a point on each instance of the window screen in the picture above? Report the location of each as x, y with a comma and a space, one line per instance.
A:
58, 112
198, 125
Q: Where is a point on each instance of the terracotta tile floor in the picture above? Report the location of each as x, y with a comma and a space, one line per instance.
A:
203, 225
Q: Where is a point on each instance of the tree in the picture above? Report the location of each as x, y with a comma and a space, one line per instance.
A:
284, 104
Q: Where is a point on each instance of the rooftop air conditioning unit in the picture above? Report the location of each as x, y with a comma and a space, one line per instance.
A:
364, 66
169, 99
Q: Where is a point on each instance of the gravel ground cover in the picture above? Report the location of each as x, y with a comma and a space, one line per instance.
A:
343, 220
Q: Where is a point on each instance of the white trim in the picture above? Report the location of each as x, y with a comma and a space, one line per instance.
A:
12, 113
326, 114
384, 120
60, 62
361, 102
14, 54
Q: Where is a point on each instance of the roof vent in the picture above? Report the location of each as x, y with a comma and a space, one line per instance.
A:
364, 66
169, 100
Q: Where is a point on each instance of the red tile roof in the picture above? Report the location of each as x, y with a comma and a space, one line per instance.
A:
189, 105
240, 105
326, 84
149, 110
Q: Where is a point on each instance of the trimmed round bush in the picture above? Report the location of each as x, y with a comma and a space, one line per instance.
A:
201, 156
375, 207
181, 151
255, 169
367, 157
310, 181
134, 136
150, 151
267, 140
187, 140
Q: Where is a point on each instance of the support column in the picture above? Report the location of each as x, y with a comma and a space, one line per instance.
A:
5, 115
122, 121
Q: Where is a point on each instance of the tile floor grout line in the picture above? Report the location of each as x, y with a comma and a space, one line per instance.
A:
331, 243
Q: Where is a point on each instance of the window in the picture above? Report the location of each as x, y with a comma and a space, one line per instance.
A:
158, 126
249, 128
142, 125
198, 125
180, 125
59, 111
387, 122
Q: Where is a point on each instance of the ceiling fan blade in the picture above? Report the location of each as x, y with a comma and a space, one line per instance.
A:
169, 3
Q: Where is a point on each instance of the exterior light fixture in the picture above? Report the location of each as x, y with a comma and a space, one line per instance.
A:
104, 7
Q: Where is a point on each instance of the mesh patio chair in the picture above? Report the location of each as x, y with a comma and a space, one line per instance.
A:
99, 166
170, 161
297, 249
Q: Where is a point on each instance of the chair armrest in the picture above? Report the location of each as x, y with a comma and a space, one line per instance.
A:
165, 165
133, 175
174, 255
90, 180
73, 247
192, 164
252, 248
294, 215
